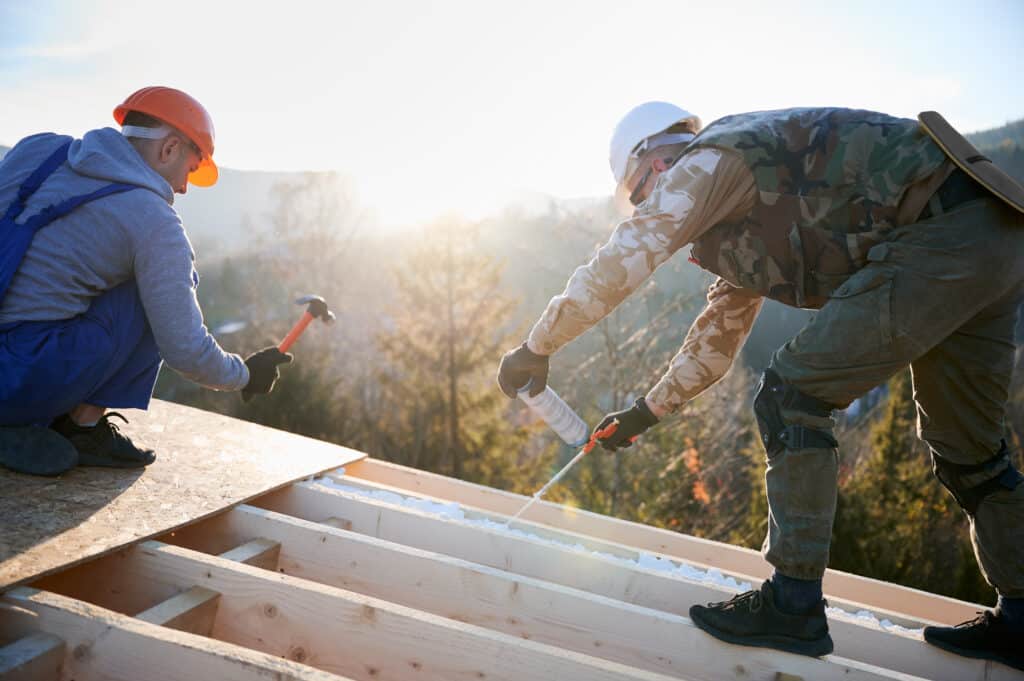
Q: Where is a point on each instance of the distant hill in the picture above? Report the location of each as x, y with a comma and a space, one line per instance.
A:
1004, 145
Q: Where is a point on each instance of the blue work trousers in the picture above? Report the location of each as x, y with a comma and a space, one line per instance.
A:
105, 357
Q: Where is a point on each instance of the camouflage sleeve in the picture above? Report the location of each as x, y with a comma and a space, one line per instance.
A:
687, 200
711, 344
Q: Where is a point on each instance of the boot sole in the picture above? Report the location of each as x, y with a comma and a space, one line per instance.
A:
110, 462
815, 648
976, 654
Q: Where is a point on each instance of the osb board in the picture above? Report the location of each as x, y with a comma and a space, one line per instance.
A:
204, 463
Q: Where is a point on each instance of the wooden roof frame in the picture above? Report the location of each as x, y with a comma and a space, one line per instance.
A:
312, 581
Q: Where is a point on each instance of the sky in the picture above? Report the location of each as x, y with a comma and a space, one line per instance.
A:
449, 106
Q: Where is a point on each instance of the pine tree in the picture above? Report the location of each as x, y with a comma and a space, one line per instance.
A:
895, 522
440, 408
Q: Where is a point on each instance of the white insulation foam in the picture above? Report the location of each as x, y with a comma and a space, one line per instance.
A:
452, 511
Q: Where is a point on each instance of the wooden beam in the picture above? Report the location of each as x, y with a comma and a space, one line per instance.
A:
516, 605
108, 646
193, 610
261, 553
35, 657
872, 593
347, 633
594, 573
621, 550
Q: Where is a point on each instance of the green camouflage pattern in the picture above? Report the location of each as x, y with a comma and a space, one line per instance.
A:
829, 184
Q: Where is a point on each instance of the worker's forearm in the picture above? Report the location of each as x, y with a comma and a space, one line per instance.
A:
711, 345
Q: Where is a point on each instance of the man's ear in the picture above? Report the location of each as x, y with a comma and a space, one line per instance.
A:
168, 148
659, 165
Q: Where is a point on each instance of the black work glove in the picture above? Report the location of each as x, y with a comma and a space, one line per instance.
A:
521, 366
631, 423
263, 371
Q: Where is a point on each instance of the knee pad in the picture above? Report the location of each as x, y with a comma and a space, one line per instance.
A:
971, 483
776, 434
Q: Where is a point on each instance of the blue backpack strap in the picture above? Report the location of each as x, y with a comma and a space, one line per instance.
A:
38, 176
59, 210
16, 238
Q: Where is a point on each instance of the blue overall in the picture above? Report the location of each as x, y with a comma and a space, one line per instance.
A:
105, 357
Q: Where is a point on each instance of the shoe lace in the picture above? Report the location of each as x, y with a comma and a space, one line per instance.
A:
111, 425
750, 600
983, 619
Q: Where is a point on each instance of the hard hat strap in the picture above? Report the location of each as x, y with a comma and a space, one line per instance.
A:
156, 133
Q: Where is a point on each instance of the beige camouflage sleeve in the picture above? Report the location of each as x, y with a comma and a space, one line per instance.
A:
711, 345
689, 198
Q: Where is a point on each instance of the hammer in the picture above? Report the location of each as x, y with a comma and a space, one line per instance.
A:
317, 307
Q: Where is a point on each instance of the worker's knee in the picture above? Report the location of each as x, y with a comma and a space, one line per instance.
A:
774, 399
971, 483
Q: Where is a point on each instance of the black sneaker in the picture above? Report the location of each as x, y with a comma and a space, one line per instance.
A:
753, 619
36, 451
985, 637
103, 444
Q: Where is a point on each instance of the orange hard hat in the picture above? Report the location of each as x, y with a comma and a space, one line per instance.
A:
182, 111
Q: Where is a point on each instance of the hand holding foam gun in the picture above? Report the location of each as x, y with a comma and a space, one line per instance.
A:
524, 373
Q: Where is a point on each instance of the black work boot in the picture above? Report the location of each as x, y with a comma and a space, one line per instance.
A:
753, 619
36, 451
986, 637
103, 444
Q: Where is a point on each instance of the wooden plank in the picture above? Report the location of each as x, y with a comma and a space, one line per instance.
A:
193, 610
35, 657
347, 633
591, 543
602, 575
106, 646
205, 463
513, 604
872, 593
262, 553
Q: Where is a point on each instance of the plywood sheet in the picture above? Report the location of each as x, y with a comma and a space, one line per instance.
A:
205, 463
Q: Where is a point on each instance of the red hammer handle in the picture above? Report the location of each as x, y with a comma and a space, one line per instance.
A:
296, 331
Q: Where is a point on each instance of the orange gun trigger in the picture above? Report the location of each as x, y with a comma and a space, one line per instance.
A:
607, 431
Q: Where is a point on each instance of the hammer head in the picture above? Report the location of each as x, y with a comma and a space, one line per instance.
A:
317, 308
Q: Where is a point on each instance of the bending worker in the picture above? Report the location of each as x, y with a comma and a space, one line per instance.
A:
97, 284
910, 260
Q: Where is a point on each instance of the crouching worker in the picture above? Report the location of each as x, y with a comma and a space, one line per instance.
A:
98, 286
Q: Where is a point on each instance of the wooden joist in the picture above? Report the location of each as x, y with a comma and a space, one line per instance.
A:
347, 633
597, 574
107, 646
192, 610
599, 545
521, 606
872, 593
195, 609
35, 657
262, 553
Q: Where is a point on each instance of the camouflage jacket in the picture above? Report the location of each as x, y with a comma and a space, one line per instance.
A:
702, 189
830, 183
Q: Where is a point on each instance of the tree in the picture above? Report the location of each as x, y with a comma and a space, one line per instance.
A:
895, 522
440, 408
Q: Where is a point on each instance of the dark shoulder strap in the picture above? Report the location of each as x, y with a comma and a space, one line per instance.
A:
59, 210
38, 176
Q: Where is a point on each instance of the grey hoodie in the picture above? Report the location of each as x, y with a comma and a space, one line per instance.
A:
133, 235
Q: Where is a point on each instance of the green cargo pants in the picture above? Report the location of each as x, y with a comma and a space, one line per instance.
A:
942, 296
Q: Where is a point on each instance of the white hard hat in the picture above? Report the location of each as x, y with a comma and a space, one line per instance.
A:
641, 123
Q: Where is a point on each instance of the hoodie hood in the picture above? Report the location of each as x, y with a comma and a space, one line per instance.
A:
105, 154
